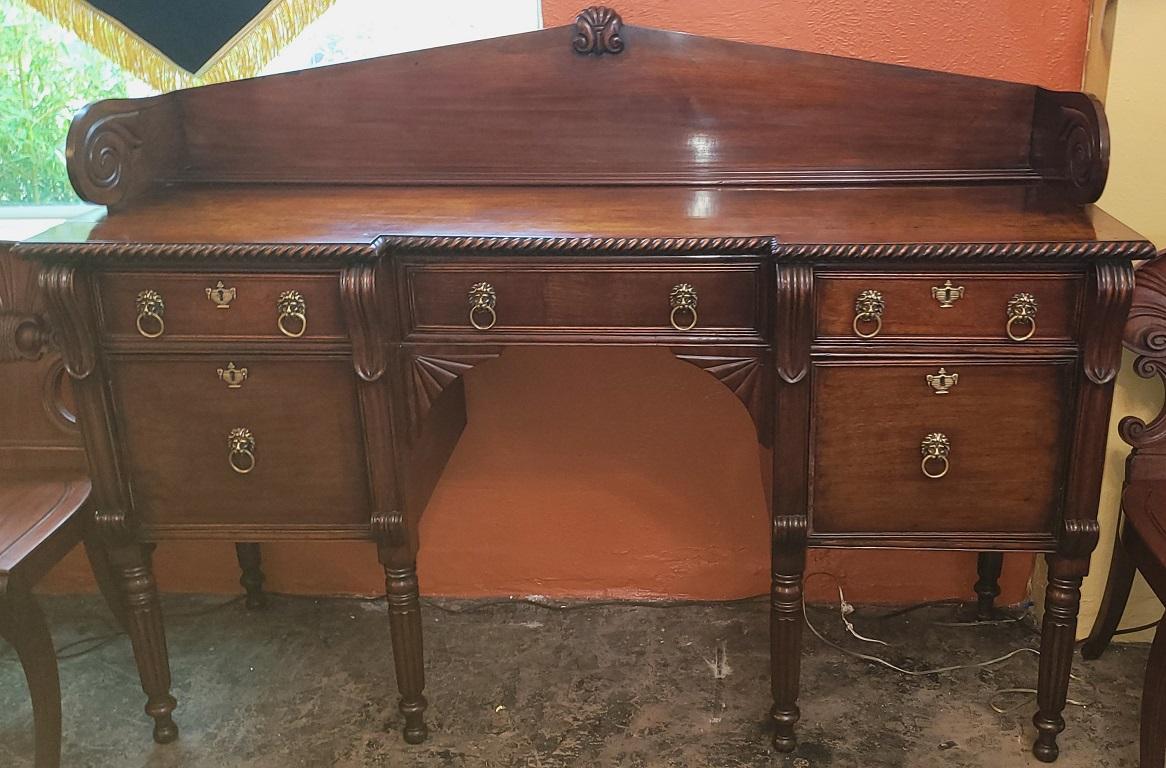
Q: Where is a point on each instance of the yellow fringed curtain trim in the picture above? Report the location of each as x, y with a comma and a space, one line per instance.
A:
244, 55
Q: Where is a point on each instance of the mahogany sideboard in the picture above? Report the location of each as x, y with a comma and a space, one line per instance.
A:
899, 273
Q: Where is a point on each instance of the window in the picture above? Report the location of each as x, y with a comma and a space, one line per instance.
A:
47, 74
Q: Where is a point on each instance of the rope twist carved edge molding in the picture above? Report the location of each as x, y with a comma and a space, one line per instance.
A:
305, 253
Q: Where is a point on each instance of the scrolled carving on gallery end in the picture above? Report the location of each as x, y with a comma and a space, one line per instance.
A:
1071, 142
597, 31
101, 159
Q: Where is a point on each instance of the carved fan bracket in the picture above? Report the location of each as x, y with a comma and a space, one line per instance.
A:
431, 376
742, 375
1145, 335
597, 31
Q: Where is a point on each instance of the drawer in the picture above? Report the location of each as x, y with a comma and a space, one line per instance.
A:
693, 299
177, 416
1005, 426
168, 305
973, 306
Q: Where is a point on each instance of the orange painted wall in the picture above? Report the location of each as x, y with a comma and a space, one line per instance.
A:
626, 473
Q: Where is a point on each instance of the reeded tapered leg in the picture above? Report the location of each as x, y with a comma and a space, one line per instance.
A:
408, 656
1062, 602
988, 567
23, 625
786, 619
1117, 593
251, 578
144, 624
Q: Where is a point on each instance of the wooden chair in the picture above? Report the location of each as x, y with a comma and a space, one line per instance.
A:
1141, 543
39, 523
44, 490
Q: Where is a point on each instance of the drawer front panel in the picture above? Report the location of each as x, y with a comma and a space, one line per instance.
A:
177, 416
565, 298
222, 306
973, 306
1006, 425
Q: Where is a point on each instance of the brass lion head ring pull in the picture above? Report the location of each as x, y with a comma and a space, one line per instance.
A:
482, 298
151, 310
683, 300
935, 448
241, 450
293, 314
868, 314
1021, 317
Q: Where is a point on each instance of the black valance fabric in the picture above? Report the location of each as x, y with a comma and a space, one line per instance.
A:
188, 32
176, 43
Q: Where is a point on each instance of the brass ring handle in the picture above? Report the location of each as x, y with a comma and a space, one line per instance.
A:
241, 450
868, 308
691, 322
941, 472
291, 306
482, 298
150, 305
935, 448
683, 299
1021, 310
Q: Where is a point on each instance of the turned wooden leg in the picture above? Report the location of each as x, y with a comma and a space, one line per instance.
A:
23, 625
144, 624
786, 619
1117, 593
988, 567
408, 656
1062, 601
250, 563
1153, 727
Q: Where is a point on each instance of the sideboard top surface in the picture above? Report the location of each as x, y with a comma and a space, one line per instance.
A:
360, 214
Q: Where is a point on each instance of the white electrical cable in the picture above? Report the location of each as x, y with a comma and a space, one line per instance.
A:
875, 659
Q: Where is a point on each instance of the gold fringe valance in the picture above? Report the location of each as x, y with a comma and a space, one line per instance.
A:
244, 55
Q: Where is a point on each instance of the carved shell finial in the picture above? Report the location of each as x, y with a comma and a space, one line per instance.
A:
597, 31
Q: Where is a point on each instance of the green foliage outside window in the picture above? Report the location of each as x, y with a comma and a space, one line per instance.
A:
46, 76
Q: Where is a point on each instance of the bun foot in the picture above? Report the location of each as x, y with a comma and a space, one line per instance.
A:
415, 729
165, 730
783, 729
784, 743
416, 734
1045, 751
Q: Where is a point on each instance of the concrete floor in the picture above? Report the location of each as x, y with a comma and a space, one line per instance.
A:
309, 683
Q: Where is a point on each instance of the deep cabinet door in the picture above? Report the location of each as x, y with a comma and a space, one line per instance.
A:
991, 436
